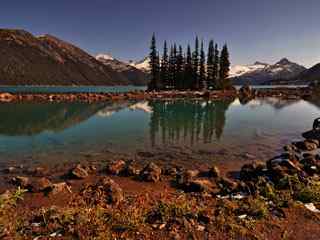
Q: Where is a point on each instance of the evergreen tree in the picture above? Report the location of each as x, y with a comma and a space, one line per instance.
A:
224, 68
180, 68
155, 83
172, 67
210, 65
216, 62
188, 71
202, 71
195, 65
174, 61
164, 70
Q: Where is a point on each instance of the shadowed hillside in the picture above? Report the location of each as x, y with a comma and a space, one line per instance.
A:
47, 60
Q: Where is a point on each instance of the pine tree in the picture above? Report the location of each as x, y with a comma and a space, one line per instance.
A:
188, 70
172, 67
202, 71
216, 62
224, 68
195, 65
174, 61
180, 68
210, 65
164, 70
155, 83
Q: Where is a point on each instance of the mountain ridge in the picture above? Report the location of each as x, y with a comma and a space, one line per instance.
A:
262, 74
26, 59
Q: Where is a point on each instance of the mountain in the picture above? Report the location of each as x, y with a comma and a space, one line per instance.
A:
134, 75
143, 65
46, 60
262, 73
310, 75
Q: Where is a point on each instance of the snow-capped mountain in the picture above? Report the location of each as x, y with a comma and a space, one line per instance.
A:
143, 65
134, 74
104, 57
261, 73
238, 70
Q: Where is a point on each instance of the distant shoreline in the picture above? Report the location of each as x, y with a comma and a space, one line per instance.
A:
245, 94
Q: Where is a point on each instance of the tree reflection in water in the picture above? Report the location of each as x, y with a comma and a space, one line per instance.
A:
188, 121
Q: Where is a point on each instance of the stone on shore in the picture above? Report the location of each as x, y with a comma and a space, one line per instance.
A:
40, 185
6, 97
60, 187
114, 193
307, 145
214, 172
151, 173
187, 176
79, 172
116, 167
21, 181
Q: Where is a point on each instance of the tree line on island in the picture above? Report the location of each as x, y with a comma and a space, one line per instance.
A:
193, 70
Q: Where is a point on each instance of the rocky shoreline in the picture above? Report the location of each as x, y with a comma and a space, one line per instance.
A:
245, 93
276, 199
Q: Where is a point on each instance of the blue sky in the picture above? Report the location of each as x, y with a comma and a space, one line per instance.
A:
254, 30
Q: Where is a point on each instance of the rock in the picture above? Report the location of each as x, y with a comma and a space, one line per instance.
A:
60, 187
315, 141
247, 172
5, 196
306, 145
214, 172
114, 193
10, 170
206, 216
277, 172
131, 171
200, 185
6, 97
151, 173
170, 171
21, 181
187, 176
116, 167
251, 171
37, 172
39, 185
290, 148
79, 172
227, 184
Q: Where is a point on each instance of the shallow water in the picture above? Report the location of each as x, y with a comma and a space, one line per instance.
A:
38, 131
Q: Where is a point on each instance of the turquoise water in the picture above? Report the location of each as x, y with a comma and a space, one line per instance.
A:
98, 89
73, 89
260, 127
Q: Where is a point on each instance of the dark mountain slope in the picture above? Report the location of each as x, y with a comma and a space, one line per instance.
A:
47, 60
310, 75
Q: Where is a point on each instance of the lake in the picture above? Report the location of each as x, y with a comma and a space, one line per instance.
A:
50, 132
102, 89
